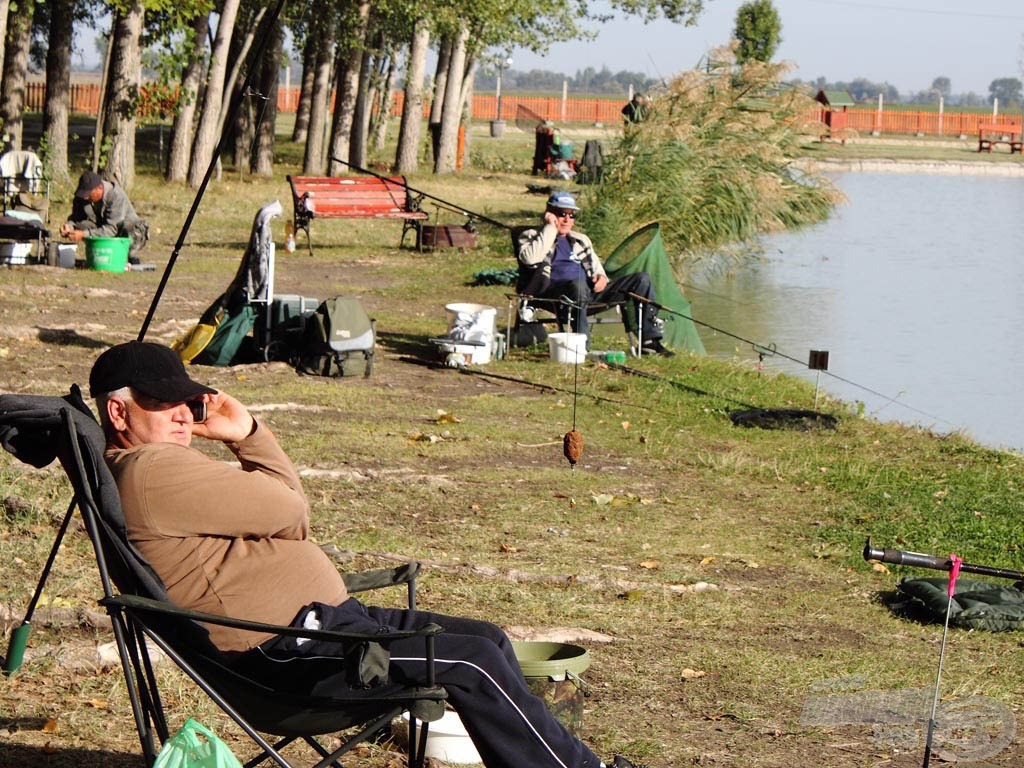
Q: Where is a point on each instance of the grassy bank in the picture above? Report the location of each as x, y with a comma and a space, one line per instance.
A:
722, 564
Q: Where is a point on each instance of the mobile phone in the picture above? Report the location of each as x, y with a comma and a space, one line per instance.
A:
198, 408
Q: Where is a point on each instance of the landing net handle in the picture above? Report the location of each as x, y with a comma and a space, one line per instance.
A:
935, 562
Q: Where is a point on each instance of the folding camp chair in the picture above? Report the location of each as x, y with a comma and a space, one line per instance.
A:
37, 429
526, 311
26, 191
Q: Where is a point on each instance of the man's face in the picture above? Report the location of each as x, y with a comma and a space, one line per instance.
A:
564, 220
142, 420
96, 194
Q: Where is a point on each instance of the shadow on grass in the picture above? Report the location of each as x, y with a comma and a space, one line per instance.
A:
66, 337
408, 345
20, 755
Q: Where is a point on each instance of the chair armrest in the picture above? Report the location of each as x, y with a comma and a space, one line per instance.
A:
382, 577
136, 603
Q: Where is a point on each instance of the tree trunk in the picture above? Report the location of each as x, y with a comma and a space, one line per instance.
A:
15, 71
349, 66
451, 114
5, 7
263, 162
444, 57
314, 161
121, 98
57, 105
385, 102
407, 151
361, 111
206, 139
184, 121
301, 129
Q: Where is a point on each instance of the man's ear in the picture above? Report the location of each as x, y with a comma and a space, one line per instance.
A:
117, 412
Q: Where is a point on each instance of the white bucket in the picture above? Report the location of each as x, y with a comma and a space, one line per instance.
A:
468, 326
448, 741
567, 347
15, 253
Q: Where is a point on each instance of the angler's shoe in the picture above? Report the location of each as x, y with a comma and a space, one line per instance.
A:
655, 347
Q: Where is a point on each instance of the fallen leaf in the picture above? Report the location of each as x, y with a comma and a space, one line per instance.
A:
602, 499
692, 674
508, 548
625, 425
650, 565
443, 417
708, 560
50, 726
98, 704
879, 567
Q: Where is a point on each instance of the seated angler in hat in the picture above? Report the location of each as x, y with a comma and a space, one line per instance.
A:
566, 267
101, 208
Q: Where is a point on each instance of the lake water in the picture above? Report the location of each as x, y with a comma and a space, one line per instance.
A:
915, 287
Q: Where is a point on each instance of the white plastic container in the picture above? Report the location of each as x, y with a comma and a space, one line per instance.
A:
15, 253
474, 326
567, 347
448, 741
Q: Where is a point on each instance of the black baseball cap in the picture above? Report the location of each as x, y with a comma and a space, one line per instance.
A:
152, 369
87, 182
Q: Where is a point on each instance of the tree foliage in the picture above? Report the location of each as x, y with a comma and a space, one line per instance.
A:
712, 163
758, 30
1008, 90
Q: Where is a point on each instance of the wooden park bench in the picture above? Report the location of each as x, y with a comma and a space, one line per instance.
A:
353, 197
1000, 133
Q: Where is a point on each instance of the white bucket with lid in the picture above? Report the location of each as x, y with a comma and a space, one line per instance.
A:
567, 347
471, 328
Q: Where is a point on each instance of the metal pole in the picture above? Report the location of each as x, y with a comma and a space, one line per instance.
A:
953, 573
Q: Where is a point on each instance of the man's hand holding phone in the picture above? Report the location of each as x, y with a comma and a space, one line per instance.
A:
226, 419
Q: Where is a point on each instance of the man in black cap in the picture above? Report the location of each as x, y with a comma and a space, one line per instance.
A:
234, 541
101, 208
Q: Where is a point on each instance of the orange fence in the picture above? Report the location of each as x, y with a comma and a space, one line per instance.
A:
573, 109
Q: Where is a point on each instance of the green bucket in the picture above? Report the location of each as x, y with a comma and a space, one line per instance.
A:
553, 672
107, 254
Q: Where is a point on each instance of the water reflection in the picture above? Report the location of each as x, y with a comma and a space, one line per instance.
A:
914, 286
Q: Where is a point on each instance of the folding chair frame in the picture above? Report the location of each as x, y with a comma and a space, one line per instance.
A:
136, 618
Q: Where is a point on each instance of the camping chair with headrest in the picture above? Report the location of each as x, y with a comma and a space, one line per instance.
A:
26, 190
528, 314
36, 430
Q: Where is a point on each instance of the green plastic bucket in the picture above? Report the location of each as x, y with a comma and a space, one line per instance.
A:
107, 254
553, 672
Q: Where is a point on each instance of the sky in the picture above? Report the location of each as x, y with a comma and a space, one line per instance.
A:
907, 43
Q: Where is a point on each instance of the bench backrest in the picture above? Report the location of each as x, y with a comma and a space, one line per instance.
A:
999, 128
355, 196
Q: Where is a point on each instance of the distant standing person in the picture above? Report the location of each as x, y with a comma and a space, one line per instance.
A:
636, 109
101, 208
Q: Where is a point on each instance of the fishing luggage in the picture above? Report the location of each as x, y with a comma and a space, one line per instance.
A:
338, 340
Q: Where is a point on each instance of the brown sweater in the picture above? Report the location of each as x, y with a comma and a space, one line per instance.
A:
225, 540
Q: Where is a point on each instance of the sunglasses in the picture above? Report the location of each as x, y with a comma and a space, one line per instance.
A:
563, 214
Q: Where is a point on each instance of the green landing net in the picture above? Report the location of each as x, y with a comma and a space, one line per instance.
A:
644, 251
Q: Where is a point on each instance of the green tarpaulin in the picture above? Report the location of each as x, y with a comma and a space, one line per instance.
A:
644, 251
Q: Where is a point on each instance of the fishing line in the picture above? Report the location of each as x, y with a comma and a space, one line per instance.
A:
772, 351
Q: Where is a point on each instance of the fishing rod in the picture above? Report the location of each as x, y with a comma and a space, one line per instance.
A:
937, 563
770, 350
451, 206
226, 132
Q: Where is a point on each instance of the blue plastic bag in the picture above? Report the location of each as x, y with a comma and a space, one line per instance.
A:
195, 746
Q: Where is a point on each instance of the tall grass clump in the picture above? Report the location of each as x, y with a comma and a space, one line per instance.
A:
712, 163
